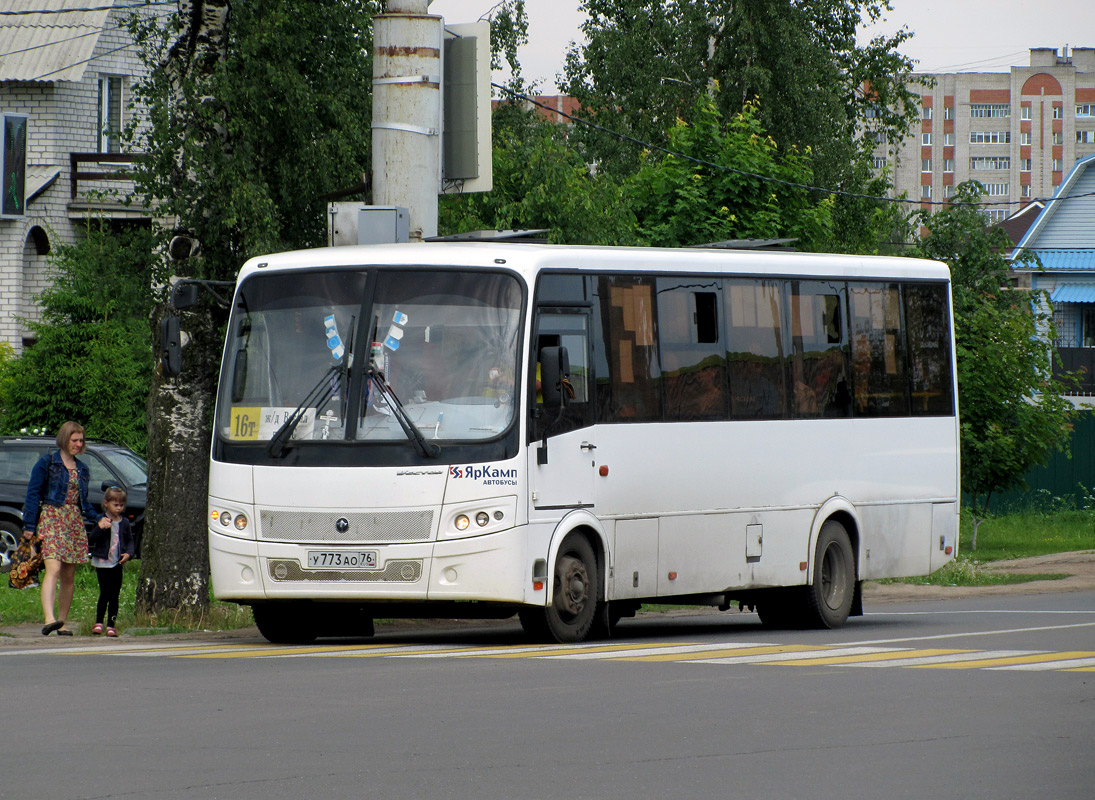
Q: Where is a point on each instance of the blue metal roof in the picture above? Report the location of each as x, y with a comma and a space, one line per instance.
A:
1073, 293
1067, 260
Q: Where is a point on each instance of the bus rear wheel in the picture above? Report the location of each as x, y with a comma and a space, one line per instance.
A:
575, 596
829, 596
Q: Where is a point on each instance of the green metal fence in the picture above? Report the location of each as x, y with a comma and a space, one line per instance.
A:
1069, 479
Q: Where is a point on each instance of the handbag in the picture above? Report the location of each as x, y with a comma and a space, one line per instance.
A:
26, 563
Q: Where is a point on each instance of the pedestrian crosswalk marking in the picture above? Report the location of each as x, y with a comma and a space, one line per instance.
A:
723, 653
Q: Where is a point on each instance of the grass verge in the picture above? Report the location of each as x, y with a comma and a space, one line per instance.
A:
18, 607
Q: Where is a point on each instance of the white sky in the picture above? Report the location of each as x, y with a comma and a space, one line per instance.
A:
951, 35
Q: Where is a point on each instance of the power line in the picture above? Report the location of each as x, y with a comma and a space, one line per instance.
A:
96, 32
806, 187
86, 10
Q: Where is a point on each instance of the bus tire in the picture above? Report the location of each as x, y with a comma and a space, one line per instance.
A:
284, 623
829, 596
575, 595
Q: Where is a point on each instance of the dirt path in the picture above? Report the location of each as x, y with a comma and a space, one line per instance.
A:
1079, 566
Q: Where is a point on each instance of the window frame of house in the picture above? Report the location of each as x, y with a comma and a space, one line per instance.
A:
925, 191
1085, 109
1026, 190
1025, 137
926, 139
1058, 164
925, 112
948, 191
925, 165
990, 110
948, 165
997, 189
109, 113
1058, 112
1085, 137
1058, 137
1025, 164
1026, 112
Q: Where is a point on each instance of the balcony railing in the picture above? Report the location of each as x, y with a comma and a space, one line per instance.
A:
79, 172
1081, 360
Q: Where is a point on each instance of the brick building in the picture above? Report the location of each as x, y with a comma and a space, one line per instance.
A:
1018, 133
67, 68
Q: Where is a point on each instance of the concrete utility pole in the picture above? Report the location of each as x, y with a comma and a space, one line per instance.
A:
407, 43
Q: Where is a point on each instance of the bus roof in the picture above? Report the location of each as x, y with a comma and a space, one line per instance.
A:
528, 259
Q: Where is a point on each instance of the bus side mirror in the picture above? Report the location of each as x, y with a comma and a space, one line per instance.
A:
183, 295
170, 347
554, 370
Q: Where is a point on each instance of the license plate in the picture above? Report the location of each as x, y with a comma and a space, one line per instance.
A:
342, 559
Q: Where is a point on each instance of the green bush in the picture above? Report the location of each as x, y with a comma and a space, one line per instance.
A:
92, 359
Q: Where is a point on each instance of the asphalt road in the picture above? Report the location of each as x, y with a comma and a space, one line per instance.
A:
975, 698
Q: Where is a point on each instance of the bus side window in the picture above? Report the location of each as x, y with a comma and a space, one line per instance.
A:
819, 363
693, 359
756, 352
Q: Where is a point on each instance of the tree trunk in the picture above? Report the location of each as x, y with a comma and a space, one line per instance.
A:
174, 555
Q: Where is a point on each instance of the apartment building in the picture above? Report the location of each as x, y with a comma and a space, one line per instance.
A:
1018, 133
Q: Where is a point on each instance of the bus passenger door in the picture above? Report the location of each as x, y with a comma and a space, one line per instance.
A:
562, 453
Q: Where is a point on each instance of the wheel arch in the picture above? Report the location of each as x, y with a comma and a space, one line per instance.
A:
11, 513
837, 509
587, 525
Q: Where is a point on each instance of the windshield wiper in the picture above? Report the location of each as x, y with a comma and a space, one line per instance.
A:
320, 394
400, 414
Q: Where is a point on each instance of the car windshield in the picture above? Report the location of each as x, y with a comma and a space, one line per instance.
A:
302, 345
133, 468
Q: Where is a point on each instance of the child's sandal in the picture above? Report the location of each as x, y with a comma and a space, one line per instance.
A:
97, 628
111, 632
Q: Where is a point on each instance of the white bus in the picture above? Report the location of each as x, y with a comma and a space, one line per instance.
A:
478, 429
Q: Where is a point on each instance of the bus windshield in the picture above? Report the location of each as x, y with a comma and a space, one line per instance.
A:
302, 346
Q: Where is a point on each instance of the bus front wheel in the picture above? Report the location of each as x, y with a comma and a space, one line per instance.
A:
284, 623
575, 595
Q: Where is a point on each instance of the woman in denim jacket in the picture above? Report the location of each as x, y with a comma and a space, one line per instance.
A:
56, 508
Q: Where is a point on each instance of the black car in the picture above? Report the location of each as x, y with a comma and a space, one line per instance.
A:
110, 464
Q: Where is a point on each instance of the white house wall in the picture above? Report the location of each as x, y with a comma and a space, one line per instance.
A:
63, 120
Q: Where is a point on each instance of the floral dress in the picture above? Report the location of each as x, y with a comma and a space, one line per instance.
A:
65, 537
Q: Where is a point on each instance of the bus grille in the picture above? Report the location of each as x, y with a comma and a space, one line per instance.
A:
397, 571
372, 526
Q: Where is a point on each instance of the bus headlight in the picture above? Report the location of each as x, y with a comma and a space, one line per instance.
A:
462, 522
228, 519
482, 518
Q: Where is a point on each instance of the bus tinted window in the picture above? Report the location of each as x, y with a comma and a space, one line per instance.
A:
755, 350
878, 353
632, 392
926, 321
693, 359
819, 371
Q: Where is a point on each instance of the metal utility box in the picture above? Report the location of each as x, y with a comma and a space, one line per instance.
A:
354, 223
